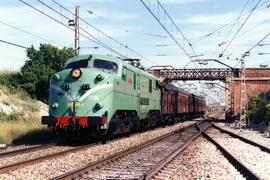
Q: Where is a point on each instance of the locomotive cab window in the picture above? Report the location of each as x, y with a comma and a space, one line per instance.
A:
103, 64
78, 64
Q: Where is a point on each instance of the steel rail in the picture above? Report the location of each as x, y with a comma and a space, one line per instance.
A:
17, 165
151, 173
246, 172
78, 172
263, 148
3, 148
25, 150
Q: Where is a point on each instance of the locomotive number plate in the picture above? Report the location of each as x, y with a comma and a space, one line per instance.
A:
77, 104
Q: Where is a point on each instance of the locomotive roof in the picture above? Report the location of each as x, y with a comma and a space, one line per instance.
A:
110, 58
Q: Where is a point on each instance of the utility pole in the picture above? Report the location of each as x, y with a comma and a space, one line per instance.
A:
77, 30
76, 24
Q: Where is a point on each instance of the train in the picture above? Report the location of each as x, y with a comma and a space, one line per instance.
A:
99, 94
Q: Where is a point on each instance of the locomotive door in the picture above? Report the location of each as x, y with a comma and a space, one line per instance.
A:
138, 93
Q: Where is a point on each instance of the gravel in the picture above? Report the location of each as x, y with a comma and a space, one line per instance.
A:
252, 157
201, 160
31, 155
134, 165
51, 168
249, 134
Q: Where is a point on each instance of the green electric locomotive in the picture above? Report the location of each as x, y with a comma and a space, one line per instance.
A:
101, 94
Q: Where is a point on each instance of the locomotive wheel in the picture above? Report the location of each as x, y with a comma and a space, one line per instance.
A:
127, 124
135, 123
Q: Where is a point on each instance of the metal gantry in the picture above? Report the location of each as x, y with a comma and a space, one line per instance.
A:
195, 74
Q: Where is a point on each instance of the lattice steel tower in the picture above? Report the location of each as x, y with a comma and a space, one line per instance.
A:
242, 110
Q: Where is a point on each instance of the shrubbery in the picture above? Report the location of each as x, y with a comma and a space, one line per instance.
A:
40, 66
259, 109
10, 79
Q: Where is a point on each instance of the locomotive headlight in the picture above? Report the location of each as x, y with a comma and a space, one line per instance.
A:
75, 73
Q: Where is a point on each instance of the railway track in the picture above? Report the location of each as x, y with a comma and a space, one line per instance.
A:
12, 156
263, 148
217, 134
153, 173
26, 150
136, 162
157, 171
16, 165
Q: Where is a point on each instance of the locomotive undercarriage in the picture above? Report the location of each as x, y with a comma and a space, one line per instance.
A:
122, 122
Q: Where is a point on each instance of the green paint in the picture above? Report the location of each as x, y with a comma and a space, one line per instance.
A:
126, 89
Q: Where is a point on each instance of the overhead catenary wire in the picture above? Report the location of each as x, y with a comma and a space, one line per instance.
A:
255, 45
249, 50
182, 34
239, 29
223, 42
227, 24
100, 31
29, 33
126, 30
13, 44
254, 27
237, 19
162, 25
54, 19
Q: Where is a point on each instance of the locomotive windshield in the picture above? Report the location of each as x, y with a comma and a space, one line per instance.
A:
103, 64
78, 64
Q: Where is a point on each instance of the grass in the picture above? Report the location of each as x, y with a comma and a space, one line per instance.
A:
13, 130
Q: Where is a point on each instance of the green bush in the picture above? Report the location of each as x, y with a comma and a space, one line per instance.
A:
40, 66
259, 109
10, 79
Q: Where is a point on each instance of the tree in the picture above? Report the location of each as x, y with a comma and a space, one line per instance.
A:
40, 66
259, 109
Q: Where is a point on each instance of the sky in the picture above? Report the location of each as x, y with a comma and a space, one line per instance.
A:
129, 22
210, 27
